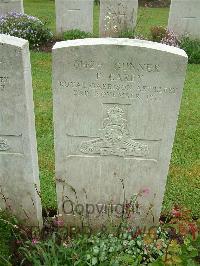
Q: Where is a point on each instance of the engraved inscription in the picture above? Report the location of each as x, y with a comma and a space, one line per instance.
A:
3, 82
11, 144
4, 144
127, 80
148, 67
114, 138
123, 66
126, 89
116, 18
86, 64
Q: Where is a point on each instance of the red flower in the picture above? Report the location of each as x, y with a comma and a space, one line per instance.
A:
144, 191
58, 222
176, 212
61, 222
137, 233
193, 229
35, 241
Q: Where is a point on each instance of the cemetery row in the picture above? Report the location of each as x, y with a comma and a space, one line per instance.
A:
116, 103
115, 16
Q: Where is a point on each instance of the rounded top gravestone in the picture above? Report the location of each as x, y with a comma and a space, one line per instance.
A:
116, 104
19, 172
74, 14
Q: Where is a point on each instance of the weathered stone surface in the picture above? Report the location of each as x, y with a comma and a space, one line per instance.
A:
116, 104
184, 17
19, 175
11, 6
74, 14
117, 16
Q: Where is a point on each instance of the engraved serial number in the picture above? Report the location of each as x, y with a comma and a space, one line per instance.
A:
3, 81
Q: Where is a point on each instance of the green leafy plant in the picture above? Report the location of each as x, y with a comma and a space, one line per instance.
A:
76, 34
192, 49
126, 245
8, 223
165, 36
130, 247
158, 33
190, 251
190, 46
127, 34
27, 27
97, 2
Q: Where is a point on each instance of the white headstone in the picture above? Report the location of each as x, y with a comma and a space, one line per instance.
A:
117, 16
74, 14
19, 175
11, 6
116, 104
184, 18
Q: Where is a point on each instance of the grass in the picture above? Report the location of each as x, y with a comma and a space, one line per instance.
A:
41, 74
183, 184
43, 9
149, 17
5, 238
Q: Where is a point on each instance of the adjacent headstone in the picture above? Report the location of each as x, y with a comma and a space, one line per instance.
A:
74, 14
117, 16
19, 175
116, 104
184, 18
11, 6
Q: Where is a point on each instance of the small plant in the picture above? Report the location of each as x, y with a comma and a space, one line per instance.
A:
76, 34
170, 38
190, 46
192, 49
157, 33
127, 34
27, 27
128, 246
175, 242
165, 36
97, 2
